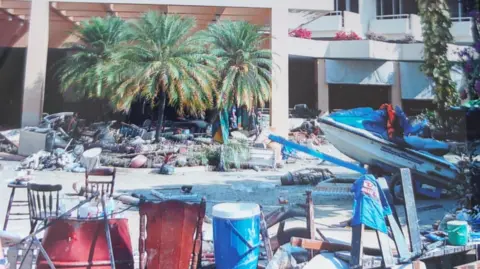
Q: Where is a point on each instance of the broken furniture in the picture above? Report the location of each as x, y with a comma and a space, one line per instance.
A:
15, 203
33, 142
83, 243
281, 215
43, 202
101, 180
171, 234
362, 257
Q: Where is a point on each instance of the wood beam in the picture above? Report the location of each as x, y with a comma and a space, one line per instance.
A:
60, 13
15, 4
80, 6
11, 15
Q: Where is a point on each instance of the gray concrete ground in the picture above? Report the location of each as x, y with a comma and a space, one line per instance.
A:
259, 187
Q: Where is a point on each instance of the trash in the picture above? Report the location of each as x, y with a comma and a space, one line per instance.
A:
283, 259
238, 135
137, 141
138, 162
167, 170
307, 176
326, 260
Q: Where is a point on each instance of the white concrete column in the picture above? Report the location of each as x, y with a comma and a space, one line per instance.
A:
279, 109
396, 93
323, 103
36, 63
368, 12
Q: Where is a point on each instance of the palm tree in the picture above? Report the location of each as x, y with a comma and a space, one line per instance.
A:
84, 69
244, 66
164, 60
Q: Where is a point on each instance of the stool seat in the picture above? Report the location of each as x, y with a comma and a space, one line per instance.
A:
17, 185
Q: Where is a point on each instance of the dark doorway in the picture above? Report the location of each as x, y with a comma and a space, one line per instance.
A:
347, 96
302, 86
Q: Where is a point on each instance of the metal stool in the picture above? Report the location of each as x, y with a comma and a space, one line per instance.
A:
12, 202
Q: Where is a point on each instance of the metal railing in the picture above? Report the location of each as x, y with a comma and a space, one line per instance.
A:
393, 16
461, 19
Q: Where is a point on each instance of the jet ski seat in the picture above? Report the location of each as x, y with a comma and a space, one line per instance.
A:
431, 146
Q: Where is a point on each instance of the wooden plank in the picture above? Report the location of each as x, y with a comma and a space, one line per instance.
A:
265, 236
356, 260
398, 236
318, 245
384, 242
411, 212
310, 221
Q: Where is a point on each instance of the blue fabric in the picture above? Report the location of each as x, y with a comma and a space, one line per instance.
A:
370, 206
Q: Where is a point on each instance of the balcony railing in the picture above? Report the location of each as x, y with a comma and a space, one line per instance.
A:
333, 22
462, 30
397, 25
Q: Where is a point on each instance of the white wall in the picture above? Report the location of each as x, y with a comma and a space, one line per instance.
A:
368, 12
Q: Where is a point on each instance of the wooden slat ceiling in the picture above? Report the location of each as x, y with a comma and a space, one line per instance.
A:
75, 12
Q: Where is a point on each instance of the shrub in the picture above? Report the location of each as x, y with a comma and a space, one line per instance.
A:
342, 35
301, 33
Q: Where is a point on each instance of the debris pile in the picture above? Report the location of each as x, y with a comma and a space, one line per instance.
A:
59, 141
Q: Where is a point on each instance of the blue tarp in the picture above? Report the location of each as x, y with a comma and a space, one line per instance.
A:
370, 206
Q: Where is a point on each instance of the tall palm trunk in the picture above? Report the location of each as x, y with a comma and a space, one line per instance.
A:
162, 99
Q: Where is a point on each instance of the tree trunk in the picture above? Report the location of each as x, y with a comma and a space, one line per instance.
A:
162, 98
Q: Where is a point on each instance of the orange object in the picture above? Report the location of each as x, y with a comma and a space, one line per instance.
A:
392, 117
79, 244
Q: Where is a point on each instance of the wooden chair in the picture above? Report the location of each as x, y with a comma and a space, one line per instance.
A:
43, 202
103, 187
171, 235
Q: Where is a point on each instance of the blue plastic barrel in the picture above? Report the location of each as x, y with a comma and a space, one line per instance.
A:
236, 235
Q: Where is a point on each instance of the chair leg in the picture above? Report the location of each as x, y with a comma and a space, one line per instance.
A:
9, 207
33, 225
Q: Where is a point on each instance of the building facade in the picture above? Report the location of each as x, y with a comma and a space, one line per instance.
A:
384, 66
322, 72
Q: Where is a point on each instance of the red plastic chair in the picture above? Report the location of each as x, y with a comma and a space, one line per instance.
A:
171, 235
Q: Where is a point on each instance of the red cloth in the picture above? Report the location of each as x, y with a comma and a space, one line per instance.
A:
391, 119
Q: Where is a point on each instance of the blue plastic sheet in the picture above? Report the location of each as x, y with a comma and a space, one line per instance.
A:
370, 206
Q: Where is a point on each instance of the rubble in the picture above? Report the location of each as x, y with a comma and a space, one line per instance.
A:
130, 146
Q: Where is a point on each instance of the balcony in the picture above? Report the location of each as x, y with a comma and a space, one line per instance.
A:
328, 25
462, 30
397, 26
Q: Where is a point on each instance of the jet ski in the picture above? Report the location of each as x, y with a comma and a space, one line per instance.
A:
361, 135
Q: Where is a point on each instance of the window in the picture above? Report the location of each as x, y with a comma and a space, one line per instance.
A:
396, 7
346, 5
459, 8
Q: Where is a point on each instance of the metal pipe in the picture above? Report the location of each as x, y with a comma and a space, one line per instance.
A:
460, 7
107, 233
394, 9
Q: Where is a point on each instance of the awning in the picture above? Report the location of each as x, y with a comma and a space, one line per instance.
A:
415, 85
359, 72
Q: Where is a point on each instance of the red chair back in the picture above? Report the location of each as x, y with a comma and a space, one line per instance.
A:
171, 234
